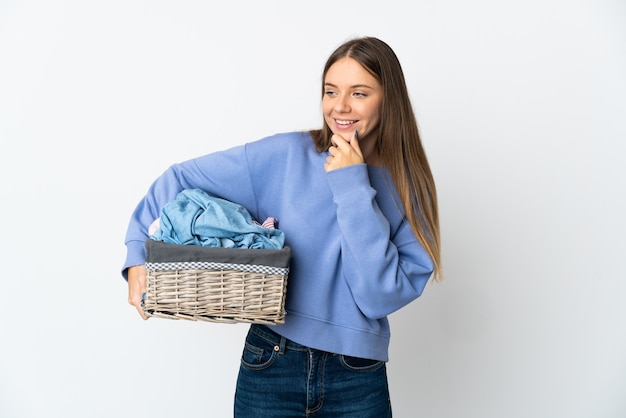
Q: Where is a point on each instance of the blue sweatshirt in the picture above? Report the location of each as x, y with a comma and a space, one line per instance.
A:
355, 259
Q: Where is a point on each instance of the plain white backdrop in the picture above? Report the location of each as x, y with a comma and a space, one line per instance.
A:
523, 114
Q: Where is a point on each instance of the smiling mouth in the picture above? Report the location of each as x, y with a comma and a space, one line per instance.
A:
344, 122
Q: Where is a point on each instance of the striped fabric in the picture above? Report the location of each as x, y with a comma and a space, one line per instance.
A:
201, 265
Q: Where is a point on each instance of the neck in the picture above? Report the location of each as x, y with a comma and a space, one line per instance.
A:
370, 153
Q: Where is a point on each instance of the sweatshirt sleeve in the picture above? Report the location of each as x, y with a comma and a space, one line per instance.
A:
223, 174
385, 265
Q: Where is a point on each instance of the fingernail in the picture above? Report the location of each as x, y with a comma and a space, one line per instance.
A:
356, 134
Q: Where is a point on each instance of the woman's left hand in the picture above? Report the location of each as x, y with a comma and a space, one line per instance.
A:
343, 153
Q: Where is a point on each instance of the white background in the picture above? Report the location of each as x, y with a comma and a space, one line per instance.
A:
523, 114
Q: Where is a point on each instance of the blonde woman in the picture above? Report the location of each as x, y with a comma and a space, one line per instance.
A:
357, 203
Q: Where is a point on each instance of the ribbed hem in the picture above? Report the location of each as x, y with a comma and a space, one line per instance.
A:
334, 338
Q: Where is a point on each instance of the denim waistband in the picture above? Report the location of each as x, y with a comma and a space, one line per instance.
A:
278, 340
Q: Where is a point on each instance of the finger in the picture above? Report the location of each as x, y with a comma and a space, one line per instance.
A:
135, 294
354, 136
355, 143
141, 312
135, 301
137, 288
328, 164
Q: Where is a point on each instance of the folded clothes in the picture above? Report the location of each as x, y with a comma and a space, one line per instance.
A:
196, 218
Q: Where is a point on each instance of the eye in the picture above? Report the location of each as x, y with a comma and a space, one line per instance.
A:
330, 93
359, 94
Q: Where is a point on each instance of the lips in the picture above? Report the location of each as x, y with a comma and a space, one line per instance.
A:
343, 123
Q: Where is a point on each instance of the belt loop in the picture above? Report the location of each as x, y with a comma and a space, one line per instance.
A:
283, 343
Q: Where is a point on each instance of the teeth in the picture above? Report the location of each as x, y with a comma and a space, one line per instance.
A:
344, 122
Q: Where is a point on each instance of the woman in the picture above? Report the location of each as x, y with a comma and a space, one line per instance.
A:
357, 203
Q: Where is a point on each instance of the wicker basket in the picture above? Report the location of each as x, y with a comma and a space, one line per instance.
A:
227, 285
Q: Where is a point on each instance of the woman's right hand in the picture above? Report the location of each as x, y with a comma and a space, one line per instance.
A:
343, 152
137, 278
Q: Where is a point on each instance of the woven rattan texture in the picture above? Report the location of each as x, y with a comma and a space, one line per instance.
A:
226, 296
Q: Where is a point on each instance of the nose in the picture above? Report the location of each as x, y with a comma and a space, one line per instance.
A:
343, 104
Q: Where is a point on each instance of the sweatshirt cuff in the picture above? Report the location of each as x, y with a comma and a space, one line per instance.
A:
344, 180
135, 255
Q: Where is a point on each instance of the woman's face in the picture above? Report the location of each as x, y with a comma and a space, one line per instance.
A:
352, 101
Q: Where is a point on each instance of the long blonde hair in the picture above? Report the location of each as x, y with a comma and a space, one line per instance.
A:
398, 136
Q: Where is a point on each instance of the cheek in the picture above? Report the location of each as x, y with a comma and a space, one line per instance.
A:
373, 116
326, 108
326, 112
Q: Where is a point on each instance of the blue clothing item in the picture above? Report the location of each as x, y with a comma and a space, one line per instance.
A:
282, 379
355, 258
195, 218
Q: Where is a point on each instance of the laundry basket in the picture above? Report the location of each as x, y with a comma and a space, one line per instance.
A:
227, 285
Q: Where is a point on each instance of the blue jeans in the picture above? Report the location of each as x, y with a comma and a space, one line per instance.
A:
280, 378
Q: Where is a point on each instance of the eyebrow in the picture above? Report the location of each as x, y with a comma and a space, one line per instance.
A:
352, 87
